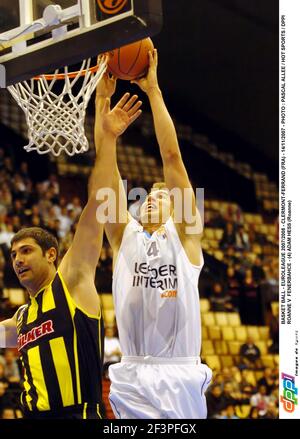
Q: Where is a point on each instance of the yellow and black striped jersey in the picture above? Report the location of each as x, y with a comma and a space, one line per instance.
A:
61, 350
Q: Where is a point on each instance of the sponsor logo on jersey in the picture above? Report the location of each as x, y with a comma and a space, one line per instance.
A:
35, 333
163, 277
168, 294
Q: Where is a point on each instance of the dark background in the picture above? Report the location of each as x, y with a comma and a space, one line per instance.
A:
218, 68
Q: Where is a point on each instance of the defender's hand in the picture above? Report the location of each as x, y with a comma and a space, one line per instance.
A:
117, 120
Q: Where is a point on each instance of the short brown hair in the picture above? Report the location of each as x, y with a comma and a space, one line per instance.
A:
158, 186
42, 237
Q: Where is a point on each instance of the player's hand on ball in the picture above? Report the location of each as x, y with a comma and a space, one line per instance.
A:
149, 81
107, 84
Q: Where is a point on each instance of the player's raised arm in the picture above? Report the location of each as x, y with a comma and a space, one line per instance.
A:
175, 173
113, 229
81, 259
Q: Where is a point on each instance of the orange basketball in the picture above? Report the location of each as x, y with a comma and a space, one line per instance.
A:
131, 61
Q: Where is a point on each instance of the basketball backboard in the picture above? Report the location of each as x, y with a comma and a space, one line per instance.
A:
38, 36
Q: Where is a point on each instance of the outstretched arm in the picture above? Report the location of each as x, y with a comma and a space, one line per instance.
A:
81, 260
114, 230
175, 173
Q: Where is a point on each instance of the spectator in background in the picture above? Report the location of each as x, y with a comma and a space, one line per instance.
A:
274, 396
219, 300
233, 288
258, 273
75, 206
229, 413
62, 202
215, 401
260, 400
8, 166
33, 212
45, 204
6, 196
242, 239
274, 332
16, 223
270, 293
36, 221
251, 308
267, 380
3, 212
231, 397
229, 236
11, 368
51, 185
230, 257
19, 187
248, 383
218, 380
6, 235
250, 355
64, 222
53, 227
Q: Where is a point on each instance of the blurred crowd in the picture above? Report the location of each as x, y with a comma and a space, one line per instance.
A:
246, 279
26, 204
237, 393
248, 286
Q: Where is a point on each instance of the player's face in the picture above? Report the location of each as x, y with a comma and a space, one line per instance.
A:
157, 207
30, 264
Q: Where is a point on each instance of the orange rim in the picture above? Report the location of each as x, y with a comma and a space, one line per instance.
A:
71, 75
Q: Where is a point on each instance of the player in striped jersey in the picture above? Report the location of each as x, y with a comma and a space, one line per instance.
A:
59, 333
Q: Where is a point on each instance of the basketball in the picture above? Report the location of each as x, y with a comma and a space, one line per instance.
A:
131, 61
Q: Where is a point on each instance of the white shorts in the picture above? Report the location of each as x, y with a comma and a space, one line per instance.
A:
159, 388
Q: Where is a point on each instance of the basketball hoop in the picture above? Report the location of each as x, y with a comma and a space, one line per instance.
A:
55, 118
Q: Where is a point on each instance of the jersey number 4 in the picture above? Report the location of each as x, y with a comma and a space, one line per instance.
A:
153, 250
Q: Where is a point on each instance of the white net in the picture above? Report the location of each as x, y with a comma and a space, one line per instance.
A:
55, 108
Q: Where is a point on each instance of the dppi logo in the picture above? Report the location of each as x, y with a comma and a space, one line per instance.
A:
111, 6
290, 391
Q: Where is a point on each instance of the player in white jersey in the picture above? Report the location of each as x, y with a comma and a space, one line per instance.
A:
157, 263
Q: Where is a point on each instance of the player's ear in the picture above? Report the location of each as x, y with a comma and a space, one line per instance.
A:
51, 255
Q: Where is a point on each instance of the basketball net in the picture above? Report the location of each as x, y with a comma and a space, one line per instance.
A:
55, 107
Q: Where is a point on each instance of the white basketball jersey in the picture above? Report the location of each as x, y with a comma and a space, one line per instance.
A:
156, 296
